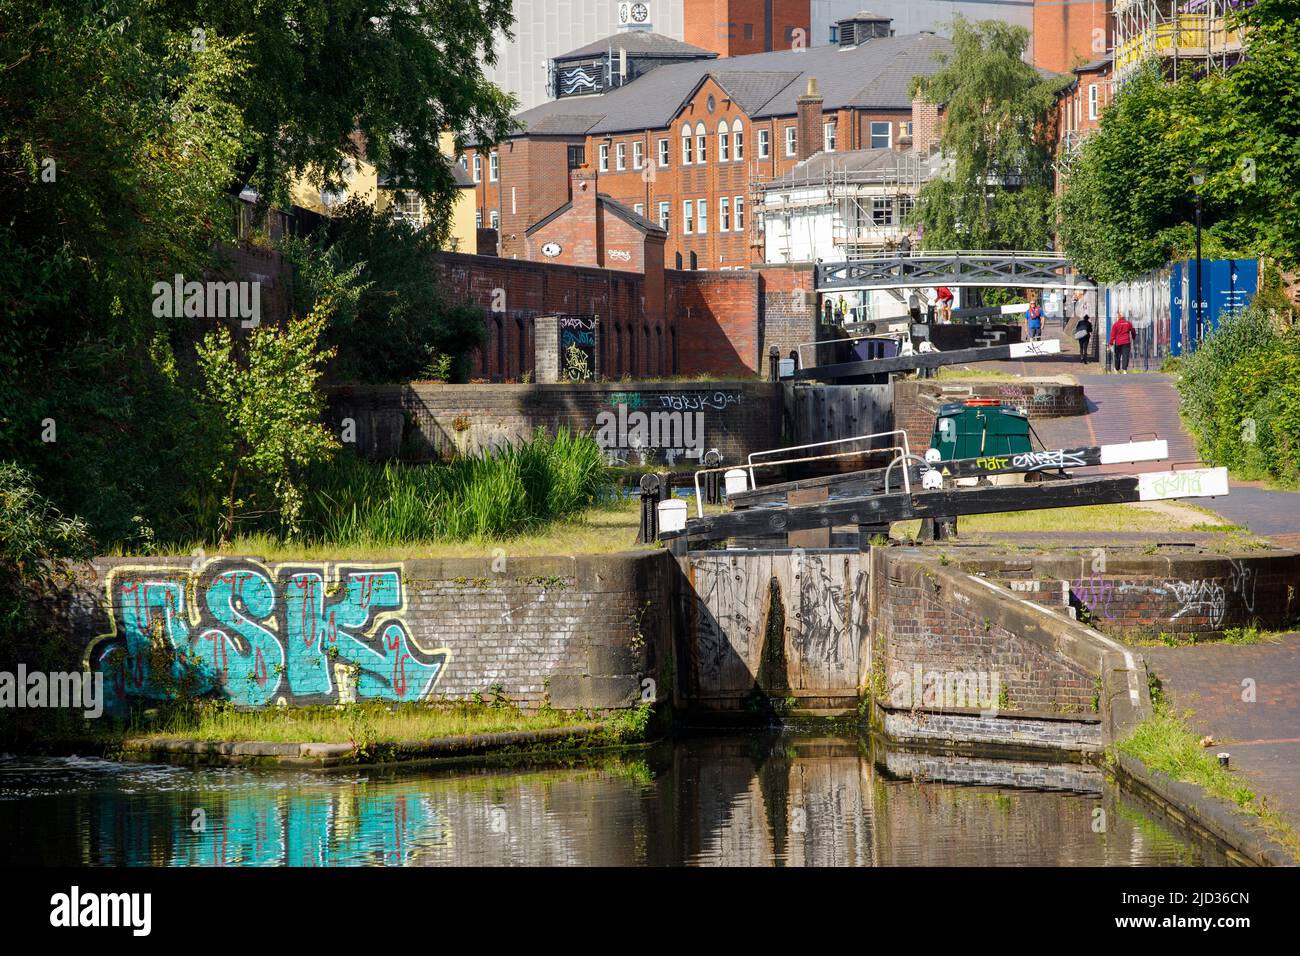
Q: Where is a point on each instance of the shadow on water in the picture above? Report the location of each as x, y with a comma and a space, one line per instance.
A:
761, 799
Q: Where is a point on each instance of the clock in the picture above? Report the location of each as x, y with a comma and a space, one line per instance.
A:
640, 12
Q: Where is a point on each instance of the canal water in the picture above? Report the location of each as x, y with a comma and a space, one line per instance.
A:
739, 800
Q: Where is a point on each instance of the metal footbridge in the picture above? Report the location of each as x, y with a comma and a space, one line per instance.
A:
954, 269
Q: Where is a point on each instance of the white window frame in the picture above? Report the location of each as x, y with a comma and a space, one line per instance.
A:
701, 144
828, 137
478, 167
739, 214
494, 166
639, 208
665, 214
791, 141
638, 154
889, 133
604, 157
620, 156
494, 220
663, 151
724, 142
688, 146
478, 218
764, 143
724, 214
688, 216
1094, 101
701, 217
738, 141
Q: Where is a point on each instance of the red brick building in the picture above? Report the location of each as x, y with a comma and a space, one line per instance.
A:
681, 144
1068, 33
740, 27
1079, 106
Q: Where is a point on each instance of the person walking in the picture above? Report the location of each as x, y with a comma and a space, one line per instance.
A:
1035, 319
945, 304
1121, 339
1083, 332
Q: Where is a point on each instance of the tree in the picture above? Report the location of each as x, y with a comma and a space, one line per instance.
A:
266, 413
399, 72
998, 191
401, 319
1129, 200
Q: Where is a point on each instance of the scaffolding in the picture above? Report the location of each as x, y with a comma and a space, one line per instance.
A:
865, 208
1185, 36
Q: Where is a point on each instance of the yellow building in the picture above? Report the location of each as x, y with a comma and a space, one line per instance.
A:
380, 190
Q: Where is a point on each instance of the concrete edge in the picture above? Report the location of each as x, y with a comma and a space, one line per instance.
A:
1195, 809
335, 754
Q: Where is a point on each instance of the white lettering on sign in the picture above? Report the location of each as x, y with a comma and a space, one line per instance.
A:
1046, 347
621, 255
1193, 483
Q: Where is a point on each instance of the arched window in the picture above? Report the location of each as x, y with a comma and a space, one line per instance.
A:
737, 140
679, 260
724, 142
687, 150
701, 143
695, 261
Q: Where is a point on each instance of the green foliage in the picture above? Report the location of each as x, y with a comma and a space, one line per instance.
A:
997, 109
1240, 395
400, 320
1129, 201
266, 410
488, 495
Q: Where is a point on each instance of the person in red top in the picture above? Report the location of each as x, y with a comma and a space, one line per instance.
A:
1121, 338
945, 303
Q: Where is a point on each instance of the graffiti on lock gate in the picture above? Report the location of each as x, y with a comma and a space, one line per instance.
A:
233, 628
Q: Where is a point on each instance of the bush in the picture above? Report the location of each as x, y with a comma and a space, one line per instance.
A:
1240, 395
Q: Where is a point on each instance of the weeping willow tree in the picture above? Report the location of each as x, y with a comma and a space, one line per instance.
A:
996, 191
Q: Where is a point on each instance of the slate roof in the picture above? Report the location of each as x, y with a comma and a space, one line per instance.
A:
816, 168
624, 212
638, 43
875, 75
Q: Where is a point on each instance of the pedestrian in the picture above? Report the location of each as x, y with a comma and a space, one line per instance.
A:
945, 304
1121, 338
914, 306
905, 249
1035, 320
1083, 332
931, 300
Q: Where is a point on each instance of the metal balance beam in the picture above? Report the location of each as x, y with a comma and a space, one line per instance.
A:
919, 360
883, 510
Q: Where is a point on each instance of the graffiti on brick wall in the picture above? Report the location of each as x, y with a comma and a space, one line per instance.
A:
233, 628
700, 401
1194, 598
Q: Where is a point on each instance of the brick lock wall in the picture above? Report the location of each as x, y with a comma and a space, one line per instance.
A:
1128, 594
583, 631
924, 621
427, 420
717, 321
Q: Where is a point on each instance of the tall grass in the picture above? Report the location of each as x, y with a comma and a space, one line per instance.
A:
489, 495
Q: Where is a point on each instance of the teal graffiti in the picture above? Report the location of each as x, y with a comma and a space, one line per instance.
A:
242, 632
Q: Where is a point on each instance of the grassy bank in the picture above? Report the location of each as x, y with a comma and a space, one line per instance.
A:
1094, 518
1165, 743
371, 723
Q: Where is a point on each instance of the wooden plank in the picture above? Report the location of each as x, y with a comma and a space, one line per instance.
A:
813, 537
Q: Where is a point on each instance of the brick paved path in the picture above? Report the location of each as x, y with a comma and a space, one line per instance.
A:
1121, 407
1263, 737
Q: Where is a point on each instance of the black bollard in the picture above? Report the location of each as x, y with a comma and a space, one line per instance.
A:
648, 532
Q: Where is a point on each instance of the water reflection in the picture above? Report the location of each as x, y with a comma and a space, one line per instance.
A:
753, 800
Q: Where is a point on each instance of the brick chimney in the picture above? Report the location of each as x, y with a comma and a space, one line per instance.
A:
925, 125
808, 108
583, 232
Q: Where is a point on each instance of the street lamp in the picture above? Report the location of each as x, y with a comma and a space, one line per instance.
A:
1198, 180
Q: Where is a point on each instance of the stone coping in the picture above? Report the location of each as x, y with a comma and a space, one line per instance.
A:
335, 754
